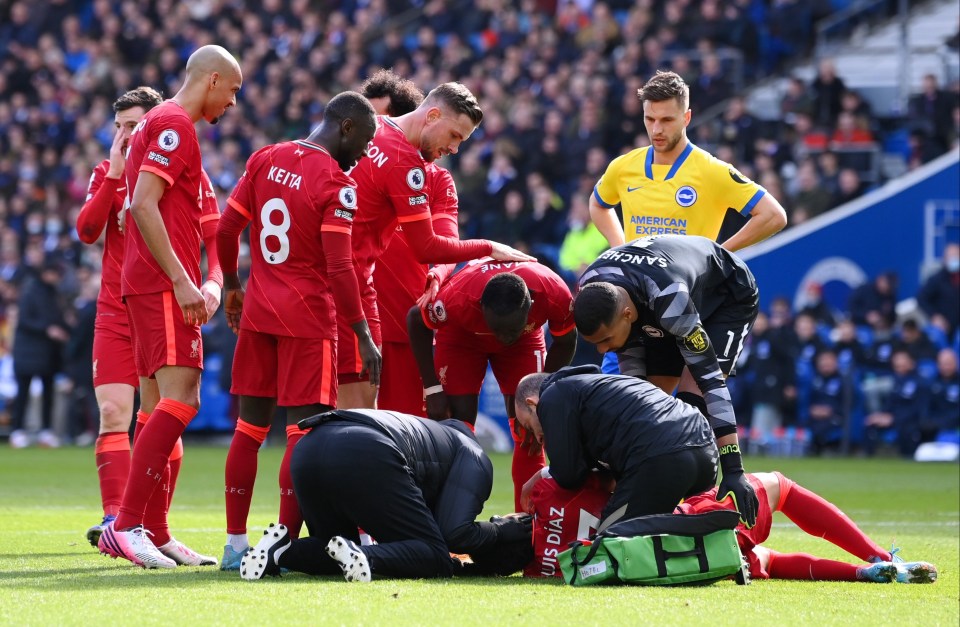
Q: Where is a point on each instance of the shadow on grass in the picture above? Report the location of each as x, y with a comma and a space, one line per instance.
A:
114, 575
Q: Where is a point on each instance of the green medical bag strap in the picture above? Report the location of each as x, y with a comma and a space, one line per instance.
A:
662, 556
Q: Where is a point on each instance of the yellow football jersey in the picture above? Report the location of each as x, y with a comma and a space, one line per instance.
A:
690, 197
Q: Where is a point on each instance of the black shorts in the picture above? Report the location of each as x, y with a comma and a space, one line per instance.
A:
653, 352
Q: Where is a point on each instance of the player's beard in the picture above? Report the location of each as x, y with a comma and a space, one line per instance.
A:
671, 144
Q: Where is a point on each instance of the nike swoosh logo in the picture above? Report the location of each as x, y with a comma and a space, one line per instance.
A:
633, 189
102, 466
719, 360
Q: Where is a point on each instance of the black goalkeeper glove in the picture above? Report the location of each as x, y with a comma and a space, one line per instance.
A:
513, 528
736, 485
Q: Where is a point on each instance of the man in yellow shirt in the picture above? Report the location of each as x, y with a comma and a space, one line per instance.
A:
674, 187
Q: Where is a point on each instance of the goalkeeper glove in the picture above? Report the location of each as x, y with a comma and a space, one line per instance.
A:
736, 485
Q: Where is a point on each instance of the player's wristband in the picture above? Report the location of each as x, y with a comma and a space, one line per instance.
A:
731, 461
433, 389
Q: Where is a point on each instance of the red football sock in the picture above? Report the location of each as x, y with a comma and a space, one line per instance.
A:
523, 466
821, 518
289, 508
142, 418
155, 514
151, 453
241, 473
810, 568
112, 454
176, 461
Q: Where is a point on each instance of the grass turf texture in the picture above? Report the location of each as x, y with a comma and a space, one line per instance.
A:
49, 575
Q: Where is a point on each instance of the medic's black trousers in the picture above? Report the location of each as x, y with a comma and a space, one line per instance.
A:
349, 475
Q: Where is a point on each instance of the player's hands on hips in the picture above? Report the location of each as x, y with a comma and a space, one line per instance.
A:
526, 492
211, 297
737, 486
233, 308
371, 359
191, 302
502, 252
438, 407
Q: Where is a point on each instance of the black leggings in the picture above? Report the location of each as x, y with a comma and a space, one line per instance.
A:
656, 485
23, 399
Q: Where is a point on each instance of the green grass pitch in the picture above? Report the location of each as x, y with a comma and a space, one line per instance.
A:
49, 575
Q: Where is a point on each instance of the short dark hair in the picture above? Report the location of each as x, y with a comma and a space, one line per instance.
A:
404, 95
595, 304
348, 105
457, 98
143, 96
665, 86
530, 385
505, 294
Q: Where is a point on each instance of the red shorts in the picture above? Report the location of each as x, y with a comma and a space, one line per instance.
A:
461, 360
113, 360
748, 538
349, 363
295, 371
401, 388
160, 336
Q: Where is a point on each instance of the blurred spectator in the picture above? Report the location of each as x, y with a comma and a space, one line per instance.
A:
711, 87
849, 187
913, 340
83, 414
37, 345
829, 403
827, 91
945, 392
808, 342
939, 296
930, 112
583, 243
875, 300
814, 306
810, 194
740, 129
797, 100
903, 416
851, 353
829, 168
773, 387
851, 130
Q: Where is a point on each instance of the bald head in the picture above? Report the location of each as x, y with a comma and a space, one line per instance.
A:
213, 80
210, 59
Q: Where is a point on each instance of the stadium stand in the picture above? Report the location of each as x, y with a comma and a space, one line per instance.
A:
556, 79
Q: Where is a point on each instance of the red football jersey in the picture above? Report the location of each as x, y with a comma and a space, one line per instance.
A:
292, 192
209, 208
165, 143
458, 301
108, 300
560, 517
399, 271
393, 188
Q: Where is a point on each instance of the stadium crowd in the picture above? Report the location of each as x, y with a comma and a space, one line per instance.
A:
557, 80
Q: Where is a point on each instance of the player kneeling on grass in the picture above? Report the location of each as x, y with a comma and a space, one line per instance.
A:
579, 510
414, 485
